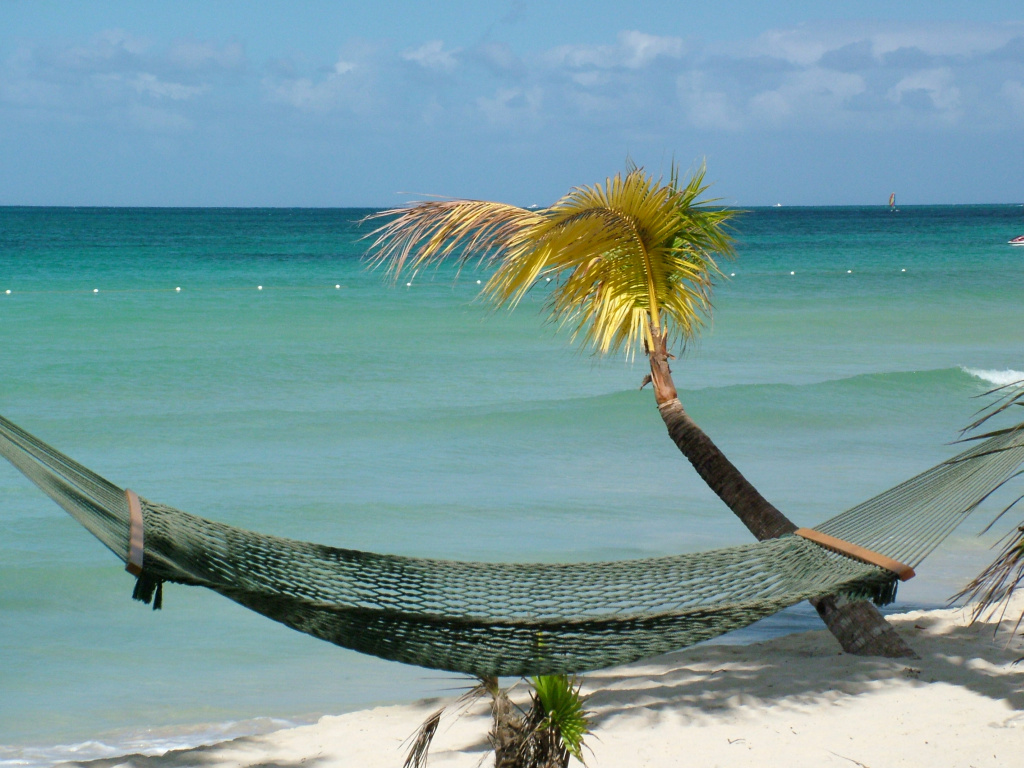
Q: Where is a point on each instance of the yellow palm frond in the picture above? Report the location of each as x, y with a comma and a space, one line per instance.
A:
436, 230
627, 256
630, 254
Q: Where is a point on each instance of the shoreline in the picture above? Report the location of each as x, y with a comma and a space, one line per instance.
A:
142, 737
794, 700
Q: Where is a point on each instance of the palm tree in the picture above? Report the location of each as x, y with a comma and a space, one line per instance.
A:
545, 735
633, 265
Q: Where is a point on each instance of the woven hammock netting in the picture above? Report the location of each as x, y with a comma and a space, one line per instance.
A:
514, 618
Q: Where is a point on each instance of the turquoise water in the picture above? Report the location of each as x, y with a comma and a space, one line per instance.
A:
414, 420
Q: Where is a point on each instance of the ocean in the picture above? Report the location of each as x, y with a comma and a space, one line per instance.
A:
244, 365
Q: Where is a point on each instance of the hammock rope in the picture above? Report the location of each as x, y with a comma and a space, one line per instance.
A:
518, 618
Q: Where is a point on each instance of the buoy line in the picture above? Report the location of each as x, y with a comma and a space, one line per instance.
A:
176, 289
259, 287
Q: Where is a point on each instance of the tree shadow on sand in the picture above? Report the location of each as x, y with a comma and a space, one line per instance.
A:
197, 757
701, 684
805, 669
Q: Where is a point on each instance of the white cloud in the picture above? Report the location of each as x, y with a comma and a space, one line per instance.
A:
432, 55
303, 93
807, 44
857, 76
510, 106
116, 74
851, 76
641, 49
936, 84
345, 86
706, 108
111, 47
861, 76
634, 50
578, 56
150, 85
337, 87
646, 90
499, 58
946, 39
592, 78
22, 86
159, 120
194, 54
813, 92
799, 46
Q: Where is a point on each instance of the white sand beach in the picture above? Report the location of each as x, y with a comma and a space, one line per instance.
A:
793, 701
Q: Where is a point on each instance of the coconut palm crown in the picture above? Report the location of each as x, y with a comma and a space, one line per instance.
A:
630, 259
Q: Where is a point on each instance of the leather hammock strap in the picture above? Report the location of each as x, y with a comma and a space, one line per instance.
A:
135, 539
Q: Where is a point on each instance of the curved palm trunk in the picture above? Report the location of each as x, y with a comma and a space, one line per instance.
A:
858, 626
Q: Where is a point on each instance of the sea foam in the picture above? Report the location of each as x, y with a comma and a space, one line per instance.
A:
996, 378
147, 742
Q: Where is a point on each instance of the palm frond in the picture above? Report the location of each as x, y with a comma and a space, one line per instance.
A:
628, 254
420, 743
435, 230
991, 590
558, 701
1006, 397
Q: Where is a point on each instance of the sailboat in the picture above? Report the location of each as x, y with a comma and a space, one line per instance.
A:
892, 203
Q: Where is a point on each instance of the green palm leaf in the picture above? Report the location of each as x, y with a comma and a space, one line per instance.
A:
563, 713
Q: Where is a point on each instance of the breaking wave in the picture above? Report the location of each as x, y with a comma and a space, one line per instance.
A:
996, 378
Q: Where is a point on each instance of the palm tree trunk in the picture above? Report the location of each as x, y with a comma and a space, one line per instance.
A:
506, 726
857, 625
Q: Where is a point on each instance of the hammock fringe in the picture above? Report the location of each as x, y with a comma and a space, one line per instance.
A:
149, 589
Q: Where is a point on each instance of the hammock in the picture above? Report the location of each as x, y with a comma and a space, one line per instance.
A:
521, 619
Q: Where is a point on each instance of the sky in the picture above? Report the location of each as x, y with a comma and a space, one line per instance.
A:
374, 103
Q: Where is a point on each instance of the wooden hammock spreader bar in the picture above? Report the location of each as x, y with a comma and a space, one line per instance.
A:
864, 555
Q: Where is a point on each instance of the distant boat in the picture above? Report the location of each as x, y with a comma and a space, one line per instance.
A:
892, 202
1017, 240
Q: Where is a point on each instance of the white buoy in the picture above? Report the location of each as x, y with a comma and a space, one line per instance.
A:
478, 282
259, 287
732, 274
408, 285
178, 289
903, 270
8, 291
337, 286
792, 273
849, 271
95, 290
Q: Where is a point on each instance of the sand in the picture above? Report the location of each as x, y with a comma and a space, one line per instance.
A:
792, 701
